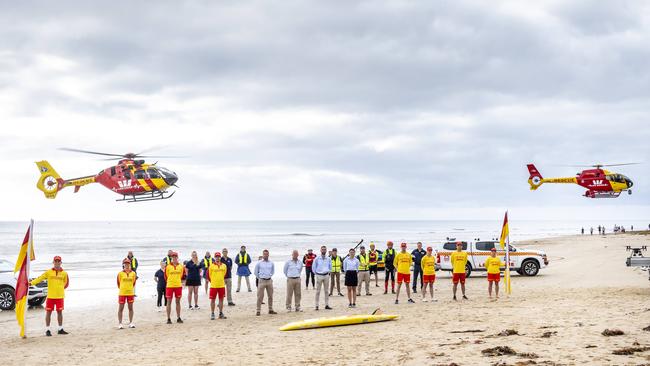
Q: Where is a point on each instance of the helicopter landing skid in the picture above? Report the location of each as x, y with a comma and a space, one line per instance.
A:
149, 196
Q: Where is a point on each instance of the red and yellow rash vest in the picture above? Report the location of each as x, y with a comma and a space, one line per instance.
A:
403, 262
428, 264
126, 283
174, 275
217, 275
458, 261
57, 282
493, 265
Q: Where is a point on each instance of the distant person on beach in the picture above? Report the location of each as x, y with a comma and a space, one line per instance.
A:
591, 231
264, 270
243, 261
207, 261
292, 270
458, 263
193, 269
217, 278
228, 262
322, 266
335, 275
351, 269
389, 267
493, 265
373, 266
582, 231
168, 258
308, 260
417, 255
174, 275
428, 266
57, 282
600, 230
402, 262
133, 262
126, 280
364, 271
161, 284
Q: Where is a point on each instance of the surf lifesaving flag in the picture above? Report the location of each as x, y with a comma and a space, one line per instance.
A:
25, 256
504, 240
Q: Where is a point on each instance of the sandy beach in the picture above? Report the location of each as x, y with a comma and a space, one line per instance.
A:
558, 316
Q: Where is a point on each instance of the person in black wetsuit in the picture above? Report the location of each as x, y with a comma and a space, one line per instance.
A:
389, 266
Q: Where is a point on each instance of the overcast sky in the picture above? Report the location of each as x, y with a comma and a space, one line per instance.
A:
327, 110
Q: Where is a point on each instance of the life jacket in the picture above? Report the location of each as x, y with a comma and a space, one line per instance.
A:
336, 264
388, 257
242, 259
373, 255
206, 262
309, 259
363, 262
134, 264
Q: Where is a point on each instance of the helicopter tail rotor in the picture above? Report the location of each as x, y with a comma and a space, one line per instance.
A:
50, 182
535, 180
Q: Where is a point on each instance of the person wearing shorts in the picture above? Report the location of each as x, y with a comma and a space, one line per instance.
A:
458, 263
126, 280
193, 269
217, 278
174, 275
493, 266
57, 282
402, 263
428, 266
351, 269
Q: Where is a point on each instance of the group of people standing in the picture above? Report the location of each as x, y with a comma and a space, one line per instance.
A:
324, 270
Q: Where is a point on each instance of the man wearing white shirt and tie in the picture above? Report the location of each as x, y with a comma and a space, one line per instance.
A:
322, 267
292, 269
264, 270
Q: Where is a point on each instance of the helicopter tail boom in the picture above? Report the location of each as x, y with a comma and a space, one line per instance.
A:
50, 182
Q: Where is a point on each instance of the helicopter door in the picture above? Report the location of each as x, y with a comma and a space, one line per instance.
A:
140, 174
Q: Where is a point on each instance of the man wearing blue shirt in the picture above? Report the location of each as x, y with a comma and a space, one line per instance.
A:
322, 267
264, 270
292, 269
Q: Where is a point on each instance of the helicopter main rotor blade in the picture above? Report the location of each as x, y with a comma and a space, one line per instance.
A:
162, 156
88, 152
621, 164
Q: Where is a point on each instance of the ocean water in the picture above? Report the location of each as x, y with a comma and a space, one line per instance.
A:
92, 251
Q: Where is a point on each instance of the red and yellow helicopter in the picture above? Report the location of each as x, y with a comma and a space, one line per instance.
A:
132, 178
600, 183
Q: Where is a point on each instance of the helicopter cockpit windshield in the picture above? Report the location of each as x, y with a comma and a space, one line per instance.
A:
618, 178
169, 176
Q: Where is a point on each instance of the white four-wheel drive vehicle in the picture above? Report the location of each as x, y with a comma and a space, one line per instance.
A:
525, 262
36, 294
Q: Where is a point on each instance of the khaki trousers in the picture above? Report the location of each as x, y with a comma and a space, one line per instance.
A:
293, 291
324, 282
268, 286
335, 278
364, 276
229, 289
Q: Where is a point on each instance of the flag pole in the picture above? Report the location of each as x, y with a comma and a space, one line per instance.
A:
28, 260
508, 289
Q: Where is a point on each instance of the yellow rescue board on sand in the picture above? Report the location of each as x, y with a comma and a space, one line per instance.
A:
337, 321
